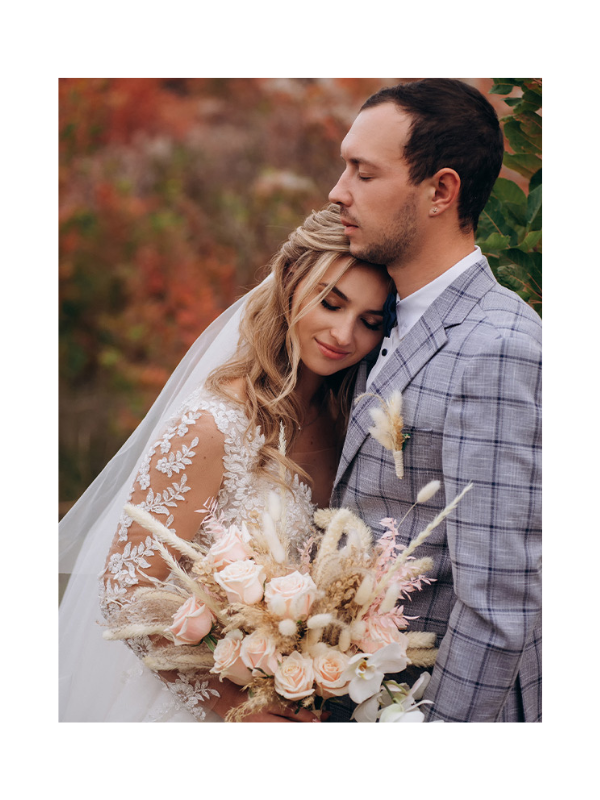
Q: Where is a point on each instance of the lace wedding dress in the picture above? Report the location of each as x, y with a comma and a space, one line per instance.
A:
169, 485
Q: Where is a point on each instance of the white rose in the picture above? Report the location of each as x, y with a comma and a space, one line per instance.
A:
329, 666
228, 663
291, 596
295, 676
258, 653
243, 581
231, 546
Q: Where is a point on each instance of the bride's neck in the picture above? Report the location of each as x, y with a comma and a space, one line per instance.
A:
309, 391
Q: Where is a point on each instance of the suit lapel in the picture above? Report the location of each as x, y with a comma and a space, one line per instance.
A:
420, 344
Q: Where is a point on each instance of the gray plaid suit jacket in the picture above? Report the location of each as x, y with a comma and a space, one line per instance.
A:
469, 373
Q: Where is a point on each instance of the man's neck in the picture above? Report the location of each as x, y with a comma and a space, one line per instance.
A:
429, 263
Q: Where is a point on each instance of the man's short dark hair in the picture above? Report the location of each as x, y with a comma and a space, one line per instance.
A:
454, 126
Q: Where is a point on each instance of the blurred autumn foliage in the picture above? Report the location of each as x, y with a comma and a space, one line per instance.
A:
174, 195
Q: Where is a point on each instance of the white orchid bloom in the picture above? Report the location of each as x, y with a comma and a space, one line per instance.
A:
366, 671
404, 706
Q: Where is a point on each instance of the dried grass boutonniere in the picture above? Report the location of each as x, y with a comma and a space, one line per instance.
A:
387, 429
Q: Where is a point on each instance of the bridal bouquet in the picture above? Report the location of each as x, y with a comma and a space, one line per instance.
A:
292, 628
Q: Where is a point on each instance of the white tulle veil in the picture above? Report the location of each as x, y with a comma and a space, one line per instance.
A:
104, 681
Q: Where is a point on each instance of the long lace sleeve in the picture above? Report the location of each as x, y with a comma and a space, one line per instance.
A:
180, 472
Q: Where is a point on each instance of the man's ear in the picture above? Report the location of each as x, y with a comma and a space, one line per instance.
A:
445, 189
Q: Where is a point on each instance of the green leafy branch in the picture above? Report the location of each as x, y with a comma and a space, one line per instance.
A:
510, 226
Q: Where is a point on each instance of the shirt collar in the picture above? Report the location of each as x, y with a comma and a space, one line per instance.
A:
411, 308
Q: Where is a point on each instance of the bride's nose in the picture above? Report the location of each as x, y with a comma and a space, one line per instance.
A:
343, 331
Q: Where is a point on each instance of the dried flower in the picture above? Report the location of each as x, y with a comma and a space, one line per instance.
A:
387, 429
428, 491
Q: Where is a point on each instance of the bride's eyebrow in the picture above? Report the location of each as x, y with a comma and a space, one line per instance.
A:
342, 296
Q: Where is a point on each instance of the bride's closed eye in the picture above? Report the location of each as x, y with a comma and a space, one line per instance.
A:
372, 326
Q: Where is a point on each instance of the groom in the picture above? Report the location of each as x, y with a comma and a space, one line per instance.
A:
420, 162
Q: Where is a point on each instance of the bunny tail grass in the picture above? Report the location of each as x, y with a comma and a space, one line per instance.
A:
155, 527
433, 524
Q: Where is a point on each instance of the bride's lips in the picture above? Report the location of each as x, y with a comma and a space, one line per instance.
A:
331, 352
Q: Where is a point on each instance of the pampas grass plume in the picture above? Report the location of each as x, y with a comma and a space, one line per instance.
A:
428, 491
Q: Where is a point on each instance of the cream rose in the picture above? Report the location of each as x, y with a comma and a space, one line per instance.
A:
243, 581
191, 622
258, 653
291, 596
228, 663
380, 631
231, 546
329, 666
295, 677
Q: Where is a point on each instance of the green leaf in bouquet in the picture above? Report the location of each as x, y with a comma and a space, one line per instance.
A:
523, 163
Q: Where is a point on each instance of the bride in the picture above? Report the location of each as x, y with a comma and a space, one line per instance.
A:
212, 446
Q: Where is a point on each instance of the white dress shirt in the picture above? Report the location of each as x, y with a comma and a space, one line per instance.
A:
412, 308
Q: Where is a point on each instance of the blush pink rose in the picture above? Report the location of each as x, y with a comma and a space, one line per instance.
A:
258, 653
243, 581
329, 667
380, 631
228, 662
191, 622
295, 677
231, 546
291, 596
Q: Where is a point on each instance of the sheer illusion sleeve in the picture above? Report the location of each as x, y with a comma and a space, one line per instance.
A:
180, 472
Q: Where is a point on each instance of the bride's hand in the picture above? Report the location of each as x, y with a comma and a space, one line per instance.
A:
232, 696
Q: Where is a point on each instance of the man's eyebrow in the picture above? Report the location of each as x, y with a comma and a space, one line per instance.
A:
357, 162
342, 296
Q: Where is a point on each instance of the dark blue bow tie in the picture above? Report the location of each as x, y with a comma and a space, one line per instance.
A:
389, 314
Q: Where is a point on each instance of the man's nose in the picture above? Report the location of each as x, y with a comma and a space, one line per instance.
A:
339, 194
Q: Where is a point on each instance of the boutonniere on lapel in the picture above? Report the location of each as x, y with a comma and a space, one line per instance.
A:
387, 428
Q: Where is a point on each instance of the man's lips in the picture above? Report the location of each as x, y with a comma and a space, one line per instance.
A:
348, 225
331, 352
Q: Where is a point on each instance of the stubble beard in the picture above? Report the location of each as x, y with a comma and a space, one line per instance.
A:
396, 245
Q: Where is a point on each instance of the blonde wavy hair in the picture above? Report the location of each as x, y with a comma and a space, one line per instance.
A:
268, 354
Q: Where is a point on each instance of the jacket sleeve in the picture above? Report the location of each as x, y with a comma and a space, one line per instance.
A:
492, 438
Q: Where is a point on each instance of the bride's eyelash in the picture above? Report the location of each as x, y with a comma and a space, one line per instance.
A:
372, 326
375, 326
328, 306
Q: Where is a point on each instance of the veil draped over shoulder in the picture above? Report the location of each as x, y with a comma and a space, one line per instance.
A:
98, 680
